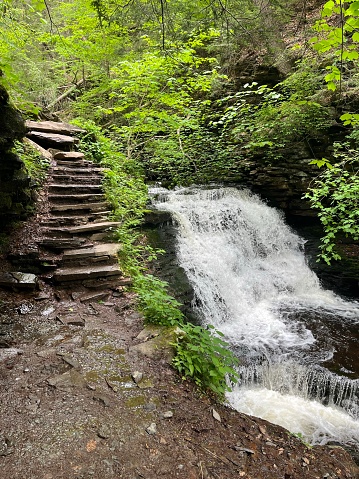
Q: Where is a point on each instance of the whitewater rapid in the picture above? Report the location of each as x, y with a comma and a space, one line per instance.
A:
252, 282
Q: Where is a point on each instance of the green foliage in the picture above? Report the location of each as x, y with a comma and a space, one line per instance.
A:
124, 183
155, 302
36, 165
264, 120
335, 194
201, 354
338, 35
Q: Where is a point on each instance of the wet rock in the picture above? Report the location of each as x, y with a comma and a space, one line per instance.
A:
155, 217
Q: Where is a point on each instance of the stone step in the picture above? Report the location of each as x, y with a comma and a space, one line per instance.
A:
105, 253
75, 199
75, 220
71, 179
69, 155
104, 249
85, 171
53, 127
64, 275
103, 226
52, 139
58, 244
74, 164
100, 207
74, 188
93, 179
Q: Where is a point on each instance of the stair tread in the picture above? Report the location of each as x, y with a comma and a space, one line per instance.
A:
89, 227
72, 186
103, 249
86, 272
80, 170
53, 126
78, 197
79, 207
68, 155
57, 138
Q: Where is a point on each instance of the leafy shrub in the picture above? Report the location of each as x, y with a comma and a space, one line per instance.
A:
202, 355
261, 118
335, 194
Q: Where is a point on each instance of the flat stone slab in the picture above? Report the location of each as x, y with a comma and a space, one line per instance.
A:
67, 380
74, 198
71, 319
53, 127
18, 280
82, 207
72, 188
94, 297
105, 249
73, 164
64, 170
53, 138
69, 155
77, 179
85, 272
87, 228
62, 243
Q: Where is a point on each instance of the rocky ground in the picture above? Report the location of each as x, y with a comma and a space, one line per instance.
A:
97, 399
87, 391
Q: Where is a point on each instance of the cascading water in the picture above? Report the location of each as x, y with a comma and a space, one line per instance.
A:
251, 281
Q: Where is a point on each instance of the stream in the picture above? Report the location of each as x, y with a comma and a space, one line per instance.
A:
297, 342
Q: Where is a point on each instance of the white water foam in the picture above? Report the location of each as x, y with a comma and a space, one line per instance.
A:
316, 423
246, 267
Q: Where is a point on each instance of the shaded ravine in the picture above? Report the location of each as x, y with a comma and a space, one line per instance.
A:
297, 342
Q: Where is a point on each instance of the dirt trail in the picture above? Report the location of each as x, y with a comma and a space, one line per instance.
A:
88, 392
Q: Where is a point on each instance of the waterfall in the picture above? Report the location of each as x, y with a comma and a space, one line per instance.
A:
252, 282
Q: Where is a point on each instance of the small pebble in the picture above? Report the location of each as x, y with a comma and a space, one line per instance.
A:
152, 429
167, 415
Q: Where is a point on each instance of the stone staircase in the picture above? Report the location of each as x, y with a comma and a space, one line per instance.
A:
76, 233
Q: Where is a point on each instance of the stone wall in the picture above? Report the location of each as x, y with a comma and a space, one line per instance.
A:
13, 177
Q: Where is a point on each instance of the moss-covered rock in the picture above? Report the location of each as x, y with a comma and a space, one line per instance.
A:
13, 176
